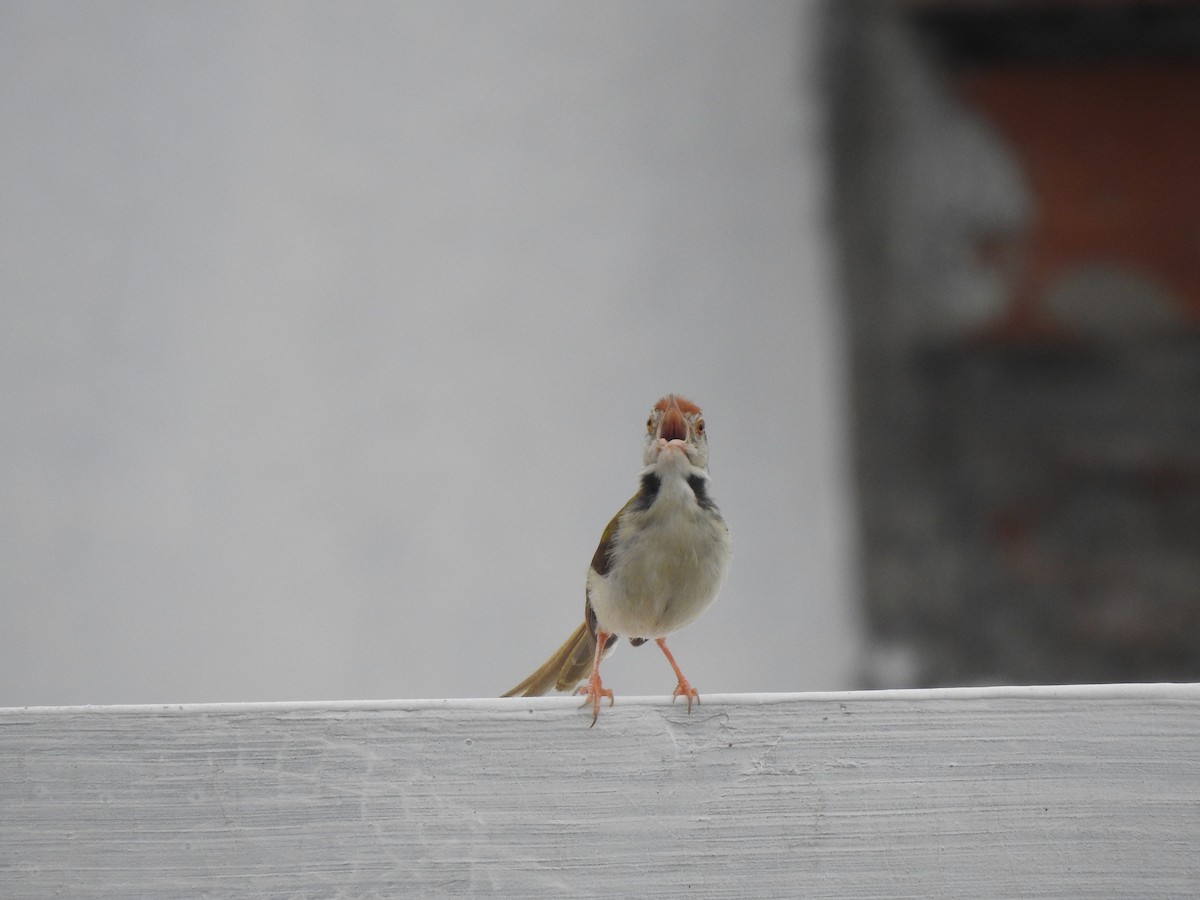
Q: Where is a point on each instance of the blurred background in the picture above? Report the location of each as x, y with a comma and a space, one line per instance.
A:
328, 333
1018, 217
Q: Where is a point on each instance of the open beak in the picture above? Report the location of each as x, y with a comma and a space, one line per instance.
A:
673, 426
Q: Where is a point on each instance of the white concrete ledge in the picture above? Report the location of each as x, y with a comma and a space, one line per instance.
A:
1066, 791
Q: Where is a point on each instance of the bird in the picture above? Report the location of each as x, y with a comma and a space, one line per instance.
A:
660, 562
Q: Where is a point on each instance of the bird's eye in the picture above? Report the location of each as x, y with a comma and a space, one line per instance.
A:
699, 426
650, 424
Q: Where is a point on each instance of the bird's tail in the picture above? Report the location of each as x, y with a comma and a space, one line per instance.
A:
567, 667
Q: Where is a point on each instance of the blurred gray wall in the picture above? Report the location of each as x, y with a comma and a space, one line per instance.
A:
1018, 202
327, 333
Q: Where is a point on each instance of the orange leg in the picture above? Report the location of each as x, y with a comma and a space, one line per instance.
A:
682, 689
594, 689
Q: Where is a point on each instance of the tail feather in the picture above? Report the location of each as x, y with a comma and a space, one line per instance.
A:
568, 666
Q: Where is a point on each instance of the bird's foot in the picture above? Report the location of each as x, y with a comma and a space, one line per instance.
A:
684, 689
593, 691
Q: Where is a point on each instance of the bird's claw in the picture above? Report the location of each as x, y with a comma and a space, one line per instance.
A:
593, 691
683, 689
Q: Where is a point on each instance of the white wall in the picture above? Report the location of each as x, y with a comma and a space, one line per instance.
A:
327, 332
1060, 792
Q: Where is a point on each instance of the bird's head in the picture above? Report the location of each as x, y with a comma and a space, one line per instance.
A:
676, 426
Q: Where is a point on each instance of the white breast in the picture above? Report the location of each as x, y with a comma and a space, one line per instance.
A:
667, 568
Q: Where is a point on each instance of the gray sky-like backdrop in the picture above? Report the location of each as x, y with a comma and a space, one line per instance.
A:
328, 333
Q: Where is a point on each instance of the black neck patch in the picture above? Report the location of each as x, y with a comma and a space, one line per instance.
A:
645, 497
699, 486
